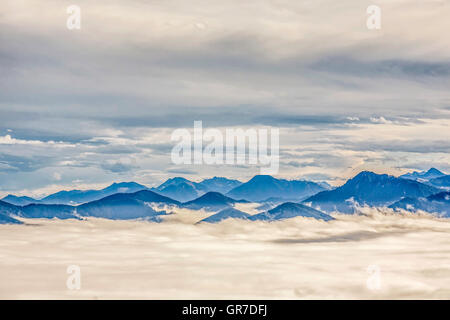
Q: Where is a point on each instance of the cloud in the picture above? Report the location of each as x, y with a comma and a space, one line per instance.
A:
57, 176
296, 258
8, 140
137, 70
13, 163
120, 166
181, 171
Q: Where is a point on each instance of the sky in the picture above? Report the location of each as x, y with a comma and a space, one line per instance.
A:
83, 108
377, 255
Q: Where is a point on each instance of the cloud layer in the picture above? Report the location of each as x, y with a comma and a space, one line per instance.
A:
299, 258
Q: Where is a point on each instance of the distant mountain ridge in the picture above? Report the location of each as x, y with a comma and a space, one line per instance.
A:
117, 206
432, 177
368, 188
423, 175
49, 211
437, 203
182, 189
83, 196
19, 201
263, 187
227, 213
7, 211
220, 184
212, 201
290, 210
284, 211
259, 188
126, 206
75, 197
441, 182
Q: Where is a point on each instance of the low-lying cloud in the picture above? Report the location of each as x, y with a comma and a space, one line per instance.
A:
299, 258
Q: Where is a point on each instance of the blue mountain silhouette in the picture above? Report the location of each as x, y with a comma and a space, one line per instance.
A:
183, 190
212, 201
219, 184
7, 211
49, 211
441, 182
437, 203
291, 210
74, 197
19, 201
116, 206
225, 214
368, 188
126, 206
5, 219
180, 189
423, 175
263, 187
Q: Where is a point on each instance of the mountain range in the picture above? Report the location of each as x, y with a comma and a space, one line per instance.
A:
7, 213
19, 201
75, 197
423, 175
259, 188
183, 190
265, 187
441, 182
366, 188
284, 211
225, 214
432, 177
291, 210
126, 206
48, 211
437, 203
212, 201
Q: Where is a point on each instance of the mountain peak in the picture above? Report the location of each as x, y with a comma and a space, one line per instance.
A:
211, 200
177, 180
262, 187
19, 201
423, 175
289, 210
83, 196
124, 185
173, 182
213, 196
262, 178
367, 176
368, 188
225, 214
435, 171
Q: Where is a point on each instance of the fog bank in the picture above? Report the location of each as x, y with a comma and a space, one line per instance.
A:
299, 258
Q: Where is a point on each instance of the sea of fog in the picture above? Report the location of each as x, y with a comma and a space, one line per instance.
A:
378, 255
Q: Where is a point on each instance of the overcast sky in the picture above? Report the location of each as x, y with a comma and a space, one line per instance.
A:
83, 108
